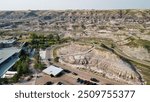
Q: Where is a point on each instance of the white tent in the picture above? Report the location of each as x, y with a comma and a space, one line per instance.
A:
52, 70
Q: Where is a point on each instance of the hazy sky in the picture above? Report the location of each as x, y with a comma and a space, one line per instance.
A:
73, 4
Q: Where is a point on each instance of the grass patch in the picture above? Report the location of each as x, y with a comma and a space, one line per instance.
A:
145, 44
139, 42
24, 40
145, 71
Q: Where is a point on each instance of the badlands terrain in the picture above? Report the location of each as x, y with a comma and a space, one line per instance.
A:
127, 32
98, 60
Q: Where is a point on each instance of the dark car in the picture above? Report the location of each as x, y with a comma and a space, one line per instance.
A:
81, 81
48, 83
60, 83
67, 71
78, 80
74, 73
94, 84
94, 79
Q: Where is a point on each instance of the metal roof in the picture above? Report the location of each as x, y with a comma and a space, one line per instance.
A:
52, 70
7, 41
5, 53
5, 67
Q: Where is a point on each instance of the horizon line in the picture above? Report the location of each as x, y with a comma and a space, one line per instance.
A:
76, 9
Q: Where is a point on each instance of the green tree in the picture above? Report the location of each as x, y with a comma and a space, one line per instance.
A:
15, 78
33, 36
50, 37
56, 59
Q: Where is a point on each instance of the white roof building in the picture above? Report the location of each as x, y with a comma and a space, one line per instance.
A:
52, 70
8, 57
9, 74
42, 54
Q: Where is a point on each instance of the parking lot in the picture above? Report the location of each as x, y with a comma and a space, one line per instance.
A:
70, 76
66, 79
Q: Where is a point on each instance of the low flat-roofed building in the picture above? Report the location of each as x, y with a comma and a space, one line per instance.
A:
53, 70
9, 74
8, 57
42, 54
45, 54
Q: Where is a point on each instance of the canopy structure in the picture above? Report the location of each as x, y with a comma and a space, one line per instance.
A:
53, 70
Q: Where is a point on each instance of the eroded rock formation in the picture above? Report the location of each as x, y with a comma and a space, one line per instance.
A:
101, 61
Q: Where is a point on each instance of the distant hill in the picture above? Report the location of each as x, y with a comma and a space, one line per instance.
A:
77, 23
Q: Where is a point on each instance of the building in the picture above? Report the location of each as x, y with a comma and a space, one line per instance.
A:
45, 54
7, 43
53, 71
42, 54
8, 57
9, 74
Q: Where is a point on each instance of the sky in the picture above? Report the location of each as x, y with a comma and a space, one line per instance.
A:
73, 4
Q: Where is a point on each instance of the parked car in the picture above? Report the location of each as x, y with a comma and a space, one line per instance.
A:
48, 83
94, 84
74, 73
78, 80
60, 83
94, 79
67, 71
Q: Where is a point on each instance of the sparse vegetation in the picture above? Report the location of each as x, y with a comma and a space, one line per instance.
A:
139, 42
129, 29
22, 68
41, 41
37, 63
